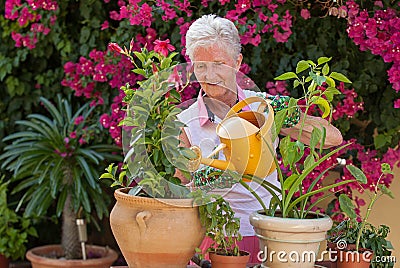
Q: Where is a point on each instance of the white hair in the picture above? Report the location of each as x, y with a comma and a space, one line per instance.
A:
213, 30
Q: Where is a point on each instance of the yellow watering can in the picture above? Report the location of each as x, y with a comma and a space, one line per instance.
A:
245, 140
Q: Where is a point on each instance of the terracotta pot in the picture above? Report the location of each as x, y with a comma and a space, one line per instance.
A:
38, 259
155, 232
332, 249
221, 261
288, 242
4, 262
354, 259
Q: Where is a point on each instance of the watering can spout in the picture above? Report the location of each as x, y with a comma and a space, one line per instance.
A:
194, 164
219, 164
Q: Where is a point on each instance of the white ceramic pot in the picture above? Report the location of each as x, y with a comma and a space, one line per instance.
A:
288, 242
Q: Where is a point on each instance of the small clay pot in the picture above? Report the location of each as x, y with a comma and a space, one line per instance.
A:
349, 258
222, 261
4, 262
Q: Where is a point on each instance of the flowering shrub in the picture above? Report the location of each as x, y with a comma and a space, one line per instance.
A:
51, 46
379, 34
34, 18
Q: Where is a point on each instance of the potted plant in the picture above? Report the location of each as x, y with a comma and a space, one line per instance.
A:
54, 161
155, 223
359, 242
223, 228
14, 230
288, 226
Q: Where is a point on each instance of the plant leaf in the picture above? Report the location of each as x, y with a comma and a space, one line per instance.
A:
286, 76
357, 174
347, 206
325, 69
289, 181
302, 66
323, 60
323, 104
386, 191
340, 77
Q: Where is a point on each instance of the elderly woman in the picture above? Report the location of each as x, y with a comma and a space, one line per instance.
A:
213, 45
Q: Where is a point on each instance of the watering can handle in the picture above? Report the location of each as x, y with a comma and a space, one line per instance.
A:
243, 103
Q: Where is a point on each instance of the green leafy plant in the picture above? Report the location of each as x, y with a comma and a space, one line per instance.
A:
361, 233
290, 199
152, 128
371, 238
14, 229
221, 224
55, 160
154, 153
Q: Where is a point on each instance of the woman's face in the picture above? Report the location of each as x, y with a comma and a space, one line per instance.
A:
215, 69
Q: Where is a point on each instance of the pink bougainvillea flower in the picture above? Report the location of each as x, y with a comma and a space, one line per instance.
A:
163, 47
79, 120
305, 14
72, 135
105, 25
378, 4
397, 104
105, 120
245, 68
115, 47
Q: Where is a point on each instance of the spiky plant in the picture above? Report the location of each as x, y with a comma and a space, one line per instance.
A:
56, 162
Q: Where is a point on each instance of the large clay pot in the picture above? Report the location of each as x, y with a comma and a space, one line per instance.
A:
38, 259
290, 243
221, 261
155, 233
4, 262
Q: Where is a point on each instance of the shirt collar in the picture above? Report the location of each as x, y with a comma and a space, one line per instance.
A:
203, 113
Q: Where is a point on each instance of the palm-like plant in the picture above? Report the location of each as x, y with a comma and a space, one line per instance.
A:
56, 162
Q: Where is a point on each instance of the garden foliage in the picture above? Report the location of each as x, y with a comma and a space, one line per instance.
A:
50, 47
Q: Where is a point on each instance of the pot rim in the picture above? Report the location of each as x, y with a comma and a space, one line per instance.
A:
121, 194
242, 253
279, 224
110, 256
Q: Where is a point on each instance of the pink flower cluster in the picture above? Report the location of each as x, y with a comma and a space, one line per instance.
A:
85, 76
277, 88
379, 34
137, 15
143, 14
348, 107
108, 68
82, 76
271, 22
29, 14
